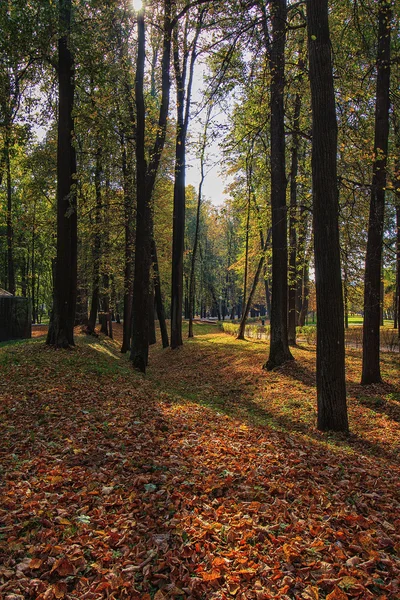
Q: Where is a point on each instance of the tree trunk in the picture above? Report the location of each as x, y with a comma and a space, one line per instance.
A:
129, 246
158, 297
145, 181
152, 324
183, 98
372, 280
61, 330
292, 322
197, 229
331, 386
94, 305
141, 286
178, 235
279, 347
10, 253
246, 252
397, 315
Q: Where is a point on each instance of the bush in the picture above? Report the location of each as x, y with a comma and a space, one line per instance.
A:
390, 339
354, 337
309, 332
252, 330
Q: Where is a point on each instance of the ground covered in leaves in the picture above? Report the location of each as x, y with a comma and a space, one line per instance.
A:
204, 480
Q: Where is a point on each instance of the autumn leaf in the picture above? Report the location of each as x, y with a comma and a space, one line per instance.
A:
63, 567
35, 563
211, 575
337, 594
60, 589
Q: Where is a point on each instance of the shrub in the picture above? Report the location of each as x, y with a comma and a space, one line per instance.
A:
390, 339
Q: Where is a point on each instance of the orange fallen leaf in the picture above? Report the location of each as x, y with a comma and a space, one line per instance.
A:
35, 563
337, 594
211, 576
60, 589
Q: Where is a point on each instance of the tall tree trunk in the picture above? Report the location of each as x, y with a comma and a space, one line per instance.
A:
158, 296
279, 347
141, 285
127, 170
178, 230
96, 253
331, 386
61, 330
346, 295
183, 99
292, 321
371, 372
397, 303
152, 324
145, 181
197, 228
10, 253
246, 251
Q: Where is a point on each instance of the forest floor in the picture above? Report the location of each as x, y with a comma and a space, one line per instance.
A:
206, 479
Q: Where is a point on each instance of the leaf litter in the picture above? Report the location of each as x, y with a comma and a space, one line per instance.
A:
206, 479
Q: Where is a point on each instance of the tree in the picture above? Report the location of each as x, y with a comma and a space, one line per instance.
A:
331, 387
373, 262
145, 181
61, 330
184, 70
279, 347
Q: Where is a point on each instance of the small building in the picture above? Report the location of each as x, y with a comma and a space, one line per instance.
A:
15, 317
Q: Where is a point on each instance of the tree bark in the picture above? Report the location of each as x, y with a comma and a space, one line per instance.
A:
331, 387
145, 181
183, 99
61, 330
129, 247
397, 316
141, 286
292, 320
158, 297
373, 262
96, 253
197, 229
10, 235
279, 347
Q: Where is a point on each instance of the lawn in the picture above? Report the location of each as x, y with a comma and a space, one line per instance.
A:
206, 479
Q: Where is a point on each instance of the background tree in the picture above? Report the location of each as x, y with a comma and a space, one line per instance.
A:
373, 261
61, 330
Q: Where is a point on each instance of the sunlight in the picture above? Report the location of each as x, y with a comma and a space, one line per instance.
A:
103, 350
137, 5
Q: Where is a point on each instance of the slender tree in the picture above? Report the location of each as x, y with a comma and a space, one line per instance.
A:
184, 72
145, 181
61, 330
373, 262
293, 259
331, 387
279, 347
141, 286
198, 215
